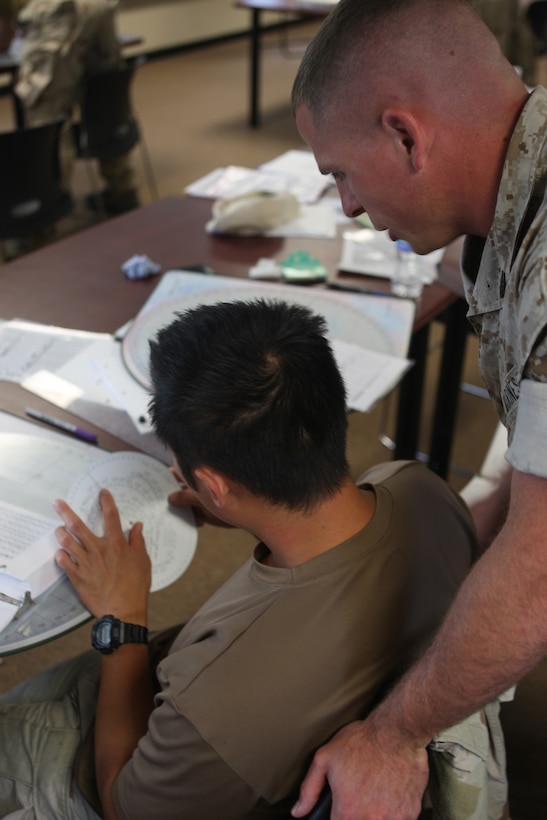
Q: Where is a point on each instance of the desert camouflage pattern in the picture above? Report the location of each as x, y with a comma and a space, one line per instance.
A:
507, 303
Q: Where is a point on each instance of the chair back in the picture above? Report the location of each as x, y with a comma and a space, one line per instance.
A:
107, 127
31, 196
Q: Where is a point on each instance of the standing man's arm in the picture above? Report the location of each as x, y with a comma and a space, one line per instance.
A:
112, 576
490, 511
495, 632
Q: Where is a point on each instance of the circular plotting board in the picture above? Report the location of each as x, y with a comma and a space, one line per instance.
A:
344, 321
140, 486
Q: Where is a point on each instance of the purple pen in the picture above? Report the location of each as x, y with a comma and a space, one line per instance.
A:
73, 429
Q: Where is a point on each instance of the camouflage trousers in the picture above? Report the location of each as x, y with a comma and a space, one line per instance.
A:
467, 769
43, 722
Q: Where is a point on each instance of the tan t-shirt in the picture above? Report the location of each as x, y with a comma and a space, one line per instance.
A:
279, 659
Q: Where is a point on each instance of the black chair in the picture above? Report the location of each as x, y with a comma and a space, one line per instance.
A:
537, 18
108, 127
31, 196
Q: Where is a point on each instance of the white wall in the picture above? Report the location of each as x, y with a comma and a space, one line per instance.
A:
180, 22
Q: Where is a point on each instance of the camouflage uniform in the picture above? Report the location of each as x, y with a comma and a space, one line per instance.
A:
507, 20
64, 41
508, 302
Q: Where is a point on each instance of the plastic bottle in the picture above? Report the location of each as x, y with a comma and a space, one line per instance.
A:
407, 279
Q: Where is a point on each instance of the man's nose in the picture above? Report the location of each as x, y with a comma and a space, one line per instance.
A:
350, 204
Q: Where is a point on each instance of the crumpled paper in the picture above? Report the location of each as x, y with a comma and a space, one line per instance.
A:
140, 267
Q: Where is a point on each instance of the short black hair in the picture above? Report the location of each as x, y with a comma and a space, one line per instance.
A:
252, 389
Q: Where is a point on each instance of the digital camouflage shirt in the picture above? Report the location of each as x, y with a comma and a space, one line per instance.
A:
507, 298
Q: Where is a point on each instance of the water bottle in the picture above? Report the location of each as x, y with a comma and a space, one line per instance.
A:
407, 278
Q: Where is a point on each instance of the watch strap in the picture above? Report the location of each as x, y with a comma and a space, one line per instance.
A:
132, 633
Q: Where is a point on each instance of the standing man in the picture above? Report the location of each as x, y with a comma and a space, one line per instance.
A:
66, 41
425, 125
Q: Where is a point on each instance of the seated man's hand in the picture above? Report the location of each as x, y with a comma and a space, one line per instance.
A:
111, 574
370, 778
186, 497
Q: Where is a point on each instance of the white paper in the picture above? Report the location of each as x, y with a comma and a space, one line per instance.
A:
140, 486
368, 375
27, 547
27, 347
373, 253
235, 180
313, 221
102, 376
36, 468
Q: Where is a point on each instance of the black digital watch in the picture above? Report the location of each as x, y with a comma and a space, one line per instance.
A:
109, 633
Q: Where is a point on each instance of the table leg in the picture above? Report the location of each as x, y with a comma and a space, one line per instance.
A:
18, 110
448, 387
410, 397
254, 80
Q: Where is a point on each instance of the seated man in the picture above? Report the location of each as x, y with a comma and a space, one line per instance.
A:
66, 41
346, 585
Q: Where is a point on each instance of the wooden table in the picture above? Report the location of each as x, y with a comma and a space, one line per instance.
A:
302, 9
77, 282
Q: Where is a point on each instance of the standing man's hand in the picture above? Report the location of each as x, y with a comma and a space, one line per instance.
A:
372, 777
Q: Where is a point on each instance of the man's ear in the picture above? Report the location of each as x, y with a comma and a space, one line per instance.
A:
215, 483
407, 133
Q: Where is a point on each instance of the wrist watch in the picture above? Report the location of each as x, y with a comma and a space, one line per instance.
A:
109, 633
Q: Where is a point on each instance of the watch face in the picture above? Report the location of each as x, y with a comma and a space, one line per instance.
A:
103, 633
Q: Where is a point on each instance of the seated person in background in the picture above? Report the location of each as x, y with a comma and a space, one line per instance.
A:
346, 585
66, 41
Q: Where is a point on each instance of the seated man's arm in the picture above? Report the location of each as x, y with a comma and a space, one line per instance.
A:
123, 707
144, 768
495, 632
176, 773
112, 575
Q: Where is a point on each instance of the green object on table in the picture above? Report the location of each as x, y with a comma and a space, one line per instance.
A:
302, 268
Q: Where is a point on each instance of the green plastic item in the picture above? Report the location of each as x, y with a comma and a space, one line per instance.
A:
302, 268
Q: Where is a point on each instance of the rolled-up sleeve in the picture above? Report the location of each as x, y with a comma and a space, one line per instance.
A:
528, 448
